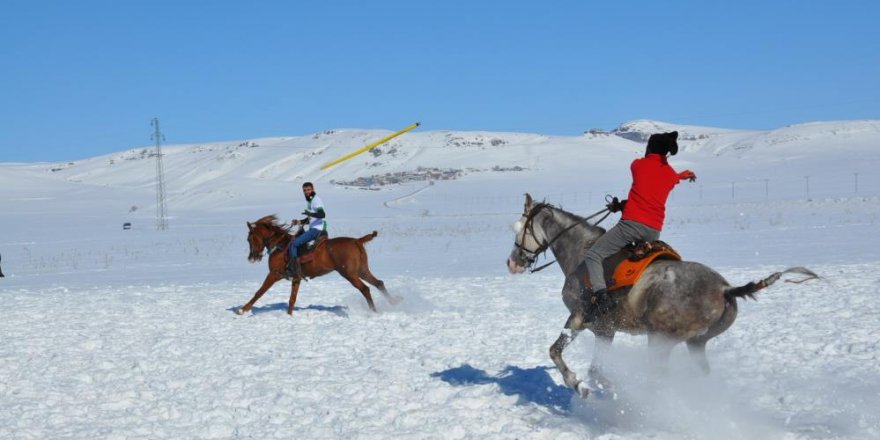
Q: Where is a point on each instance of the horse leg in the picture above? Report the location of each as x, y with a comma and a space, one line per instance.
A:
697, 345
359, 285
568, 376
294, 289
366, 275
660, 347
270, 280
601, 347
697, 349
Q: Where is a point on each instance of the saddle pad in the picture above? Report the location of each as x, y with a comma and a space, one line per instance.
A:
628, 272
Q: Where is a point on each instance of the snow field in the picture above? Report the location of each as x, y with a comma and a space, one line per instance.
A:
466, 354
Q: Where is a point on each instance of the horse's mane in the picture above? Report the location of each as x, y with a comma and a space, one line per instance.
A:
271, 222
568, 216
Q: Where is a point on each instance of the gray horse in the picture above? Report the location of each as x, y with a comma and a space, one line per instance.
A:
673, 301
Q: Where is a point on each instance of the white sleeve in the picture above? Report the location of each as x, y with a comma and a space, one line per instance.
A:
317, 204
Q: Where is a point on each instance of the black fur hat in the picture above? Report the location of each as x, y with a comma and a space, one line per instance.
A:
663, 143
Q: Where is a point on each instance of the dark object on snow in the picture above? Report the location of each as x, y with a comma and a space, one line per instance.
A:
1, 271
126, 225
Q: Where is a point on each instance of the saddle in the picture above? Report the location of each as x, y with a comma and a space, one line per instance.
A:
624, 268
306, 252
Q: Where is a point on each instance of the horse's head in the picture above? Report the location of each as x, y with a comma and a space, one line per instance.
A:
529, 240
256, 241
264, 233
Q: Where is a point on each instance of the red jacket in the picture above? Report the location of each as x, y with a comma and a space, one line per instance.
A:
653, 180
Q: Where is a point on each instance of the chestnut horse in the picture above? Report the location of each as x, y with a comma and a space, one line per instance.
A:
343, 254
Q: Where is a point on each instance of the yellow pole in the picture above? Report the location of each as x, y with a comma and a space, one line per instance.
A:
371, 146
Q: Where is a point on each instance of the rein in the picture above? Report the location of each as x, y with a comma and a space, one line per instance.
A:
546, 245
277, 246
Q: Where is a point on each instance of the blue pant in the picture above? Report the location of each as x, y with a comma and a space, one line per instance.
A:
302, 239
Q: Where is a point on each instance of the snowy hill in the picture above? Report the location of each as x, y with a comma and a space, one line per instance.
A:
425, 175
222, 171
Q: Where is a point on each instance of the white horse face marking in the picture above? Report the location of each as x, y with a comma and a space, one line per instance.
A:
518, 260
517, 226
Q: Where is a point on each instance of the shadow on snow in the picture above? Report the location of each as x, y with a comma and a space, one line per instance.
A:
340, 311
531, 385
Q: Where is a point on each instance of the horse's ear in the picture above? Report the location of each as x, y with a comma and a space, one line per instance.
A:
250, 225
528, 205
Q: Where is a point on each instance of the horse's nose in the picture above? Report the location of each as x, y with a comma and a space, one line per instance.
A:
512, 267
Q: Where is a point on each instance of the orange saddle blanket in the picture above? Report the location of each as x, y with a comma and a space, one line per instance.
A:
624, 268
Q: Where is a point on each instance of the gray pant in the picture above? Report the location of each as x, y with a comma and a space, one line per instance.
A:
623, 233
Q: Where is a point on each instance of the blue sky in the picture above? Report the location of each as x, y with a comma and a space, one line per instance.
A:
84, 78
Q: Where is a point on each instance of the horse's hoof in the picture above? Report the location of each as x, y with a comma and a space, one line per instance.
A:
582, 390
239, 311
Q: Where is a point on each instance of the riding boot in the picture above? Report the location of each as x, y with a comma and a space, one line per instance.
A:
294, 269
595, 303
604, 301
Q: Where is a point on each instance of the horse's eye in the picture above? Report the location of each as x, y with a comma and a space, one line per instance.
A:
517, 226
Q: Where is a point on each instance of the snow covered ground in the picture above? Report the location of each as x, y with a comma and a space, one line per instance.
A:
113, 333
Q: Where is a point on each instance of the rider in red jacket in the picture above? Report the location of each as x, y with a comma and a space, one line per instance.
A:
643, 215
653, 180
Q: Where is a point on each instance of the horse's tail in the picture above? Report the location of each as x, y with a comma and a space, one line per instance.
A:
751, 288
362, 249
367, 238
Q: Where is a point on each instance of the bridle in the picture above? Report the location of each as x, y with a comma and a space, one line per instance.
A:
267, 242
528, 227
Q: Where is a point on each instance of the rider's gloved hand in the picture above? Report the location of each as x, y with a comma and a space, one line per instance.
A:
687, 175
616, 205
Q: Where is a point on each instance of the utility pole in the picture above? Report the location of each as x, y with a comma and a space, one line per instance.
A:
161, 211
856, 182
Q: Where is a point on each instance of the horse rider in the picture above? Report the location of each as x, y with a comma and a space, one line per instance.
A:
314, 219
643, 213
